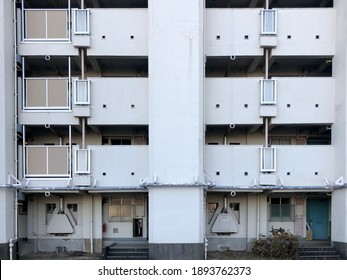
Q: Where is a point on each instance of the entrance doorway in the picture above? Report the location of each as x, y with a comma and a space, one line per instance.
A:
317, 216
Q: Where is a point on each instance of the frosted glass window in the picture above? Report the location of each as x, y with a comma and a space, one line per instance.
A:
269, 22
268, 92
81, 22
268, 159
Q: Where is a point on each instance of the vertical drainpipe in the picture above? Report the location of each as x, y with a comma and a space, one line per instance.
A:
83, 147
15, 120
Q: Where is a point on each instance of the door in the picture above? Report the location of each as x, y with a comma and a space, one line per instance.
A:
318, 218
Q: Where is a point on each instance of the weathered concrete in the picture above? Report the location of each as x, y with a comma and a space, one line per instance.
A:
188, 251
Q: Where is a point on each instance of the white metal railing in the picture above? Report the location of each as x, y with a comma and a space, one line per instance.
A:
81, 90
82, 161
46, 24
47, 161
268, 22
267, 159
268, 92
81, 22
46, 94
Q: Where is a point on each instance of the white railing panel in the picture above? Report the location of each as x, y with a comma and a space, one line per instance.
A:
268, 22
267, 159
81, 22
81, 92
82, 161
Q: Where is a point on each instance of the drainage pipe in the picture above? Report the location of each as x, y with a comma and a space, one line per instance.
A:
91, 228
258, 217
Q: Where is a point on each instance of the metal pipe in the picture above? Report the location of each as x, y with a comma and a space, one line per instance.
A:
266, 144
266, 63
91, 229
83, 133
82, 64
61, 205
258, 217
82, 4
15, 118
267, 4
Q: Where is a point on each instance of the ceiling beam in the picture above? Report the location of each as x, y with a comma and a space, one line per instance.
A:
254, 64
95, 64
95, 129
253, 3
96, 3
254, 128
323, 3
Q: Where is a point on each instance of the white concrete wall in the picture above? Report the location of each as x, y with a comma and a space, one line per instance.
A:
302, 162
231, 94
176, 72
294, 22
232, 25
117, 25
7, 214
176, 215
118, 163
302, 94
339, 216
119, 94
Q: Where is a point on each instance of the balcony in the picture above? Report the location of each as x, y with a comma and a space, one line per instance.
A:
47, 161
295, 165
119, 32
119, 101
119, 166
241, 32
46, 94
295, 100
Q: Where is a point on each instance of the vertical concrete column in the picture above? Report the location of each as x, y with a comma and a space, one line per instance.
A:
176, 75
339, 131
6, 125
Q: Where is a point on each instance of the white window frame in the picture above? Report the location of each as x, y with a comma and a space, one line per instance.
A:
263, 93
76, 89
264, 159
78, 158
75, 23
264, 17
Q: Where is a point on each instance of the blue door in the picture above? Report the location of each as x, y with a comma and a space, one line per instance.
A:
318, 218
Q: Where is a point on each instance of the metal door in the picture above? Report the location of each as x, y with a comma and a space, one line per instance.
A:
318, 218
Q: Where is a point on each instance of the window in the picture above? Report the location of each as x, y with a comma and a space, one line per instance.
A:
235, 207
120, 209
281, 141
211, 209
50, 207
267, 159
82, 161
72, 208
81, 21
269, 22
268, 92
280, 209
116, 141
81, 92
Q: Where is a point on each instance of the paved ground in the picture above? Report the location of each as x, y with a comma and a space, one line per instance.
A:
226, 255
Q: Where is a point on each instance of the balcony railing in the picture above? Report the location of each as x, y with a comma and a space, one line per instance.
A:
46, 94
46, 24
47, 161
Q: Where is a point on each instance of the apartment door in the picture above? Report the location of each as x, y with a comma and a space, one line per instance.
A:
318, 218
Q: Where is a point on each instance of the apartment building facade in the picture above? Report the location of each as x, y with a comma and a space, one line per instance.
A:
185, 125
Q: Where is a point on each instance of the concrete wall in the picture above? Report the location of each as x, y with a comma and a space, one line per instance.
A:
237, 100
176, 91
7, 149
126, 101
233, 25
239, 165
